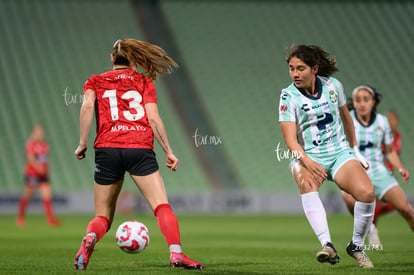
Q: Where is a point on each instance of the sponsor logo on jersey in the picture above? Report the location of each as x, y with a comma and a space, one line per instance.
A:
283, 108
323, 120
305, 107
319, 105
365, 145
318, 142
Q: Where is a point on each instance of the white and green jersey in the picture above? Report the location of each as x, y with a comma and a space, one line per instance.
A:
319, 126
370, 139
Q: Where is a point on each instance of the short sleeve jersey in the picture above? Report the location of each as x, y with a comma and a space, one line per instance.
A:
121, 120
370, 139
317, 118
40, 151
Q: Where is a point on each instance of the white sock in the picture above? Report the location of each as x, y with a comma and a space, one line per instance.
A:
176, 248
316, 215
363, 216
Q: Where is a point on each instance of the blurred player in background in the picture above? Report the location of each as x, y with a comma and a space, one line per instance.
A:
381, 207
36, 176
127, 119
372, 132
318, 130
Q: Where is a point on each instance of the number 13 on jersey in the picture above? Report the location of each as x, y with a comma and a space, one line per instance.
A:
134, 104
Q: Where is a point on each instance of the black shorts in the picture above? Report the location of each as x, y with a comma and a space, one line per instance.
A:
35, 181
111, 163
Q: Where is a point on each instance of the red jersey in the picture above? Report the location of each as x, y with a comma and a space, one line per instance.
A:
40, 150
121, 120
397, 148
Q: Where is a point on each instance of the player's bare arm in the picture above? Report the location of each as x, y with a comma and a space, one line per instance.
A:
86, 116
396, 162
160, 134
349, 130
348, 126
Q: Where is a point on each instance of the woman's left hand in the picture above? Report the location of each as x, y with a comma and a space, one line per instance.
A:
172, 161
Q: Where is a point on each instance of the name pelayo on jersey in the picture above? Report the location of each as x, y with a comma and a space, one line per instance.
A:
121, 120
370, 139
319, 126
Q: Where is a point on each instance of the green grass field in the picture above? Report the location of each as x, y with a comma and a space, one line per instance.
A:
224, 244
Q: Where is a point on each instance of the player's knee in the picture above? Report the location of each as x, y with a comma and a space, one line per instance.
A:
366, 195
306, 185
371, 196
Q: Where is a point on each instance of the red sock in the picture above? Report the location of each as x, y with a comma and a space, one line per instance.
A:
380, 210
168, 224
47, 206
99, 225
387, 208
22, 206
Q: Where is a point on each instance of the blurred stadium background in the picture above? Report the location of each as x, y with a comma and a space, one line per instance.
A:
232, 58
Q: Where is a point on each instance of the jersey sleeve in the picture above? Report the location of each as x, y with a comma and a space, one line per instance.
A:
388, 137
89, 84
341, 94
287, 107
150, 95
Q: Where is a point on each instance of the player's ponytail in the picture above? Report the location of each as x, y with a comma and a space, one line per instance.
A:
314, 55
152, 59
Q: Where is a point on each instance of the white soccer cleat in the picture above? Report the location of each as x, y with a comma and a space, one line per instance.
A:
373, 238
359, 255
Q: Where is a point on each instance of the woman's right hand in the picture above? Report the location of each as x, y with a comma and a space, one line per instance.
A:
80, 151
317, 170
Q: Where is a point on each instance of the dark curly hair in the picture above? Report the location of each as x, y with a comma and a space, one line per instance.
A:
314, 55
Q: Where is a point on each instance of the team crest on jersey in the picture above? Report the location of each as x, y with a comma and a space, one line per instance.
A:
333, 97
283, 108
378, 131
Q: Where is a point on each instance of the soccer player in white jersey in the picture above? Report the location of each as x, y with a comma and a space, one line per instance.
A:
372, 131
318, 130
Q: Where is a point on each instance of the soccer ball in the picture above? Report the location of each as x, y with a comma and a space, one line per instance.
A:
132, 237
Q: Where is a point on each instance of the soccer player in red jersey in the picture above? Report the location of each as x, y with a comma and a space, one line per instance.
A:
37, 176
127, 120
